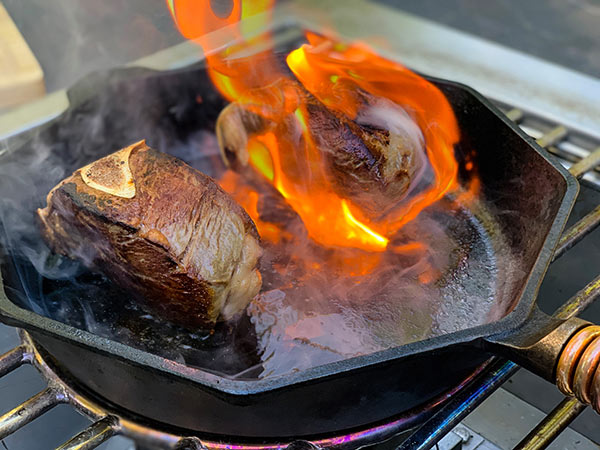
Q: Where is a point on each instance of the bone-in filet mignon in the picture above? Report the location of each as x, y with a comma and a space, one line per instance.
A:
161, 230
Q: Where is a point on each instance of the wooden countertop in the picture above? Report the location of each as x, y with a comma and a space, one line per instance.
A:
21, 77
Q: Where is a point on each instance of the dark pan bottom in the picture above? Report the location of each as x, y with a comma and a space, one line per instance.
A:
378, 396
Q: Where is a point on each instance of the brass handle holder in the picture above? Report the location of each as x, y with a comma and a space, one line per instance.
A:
577, 370
565, 352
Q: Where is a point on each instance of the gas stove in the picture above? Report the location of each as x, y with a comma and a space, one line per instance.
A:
562, 121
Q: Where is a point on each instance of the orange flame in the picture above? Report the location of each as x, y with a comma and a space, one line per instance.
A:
323, 65
327, 217
214, 28
285, 154
248, 199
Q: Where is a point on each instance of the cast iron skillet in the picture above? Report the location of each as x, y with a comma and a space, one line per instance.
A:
516, 176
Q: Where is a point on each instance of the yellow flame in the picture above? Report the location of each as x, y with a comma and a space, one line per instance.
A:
260, 158
377, 238
297, 58
302, 120
225, 83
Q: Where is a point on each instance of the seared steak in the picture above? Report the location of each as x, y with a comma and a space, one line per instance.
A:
371, 158
162, 230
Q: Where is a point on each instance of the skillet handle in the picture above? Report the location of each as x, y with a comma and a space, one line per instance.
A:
565, 352
577, 369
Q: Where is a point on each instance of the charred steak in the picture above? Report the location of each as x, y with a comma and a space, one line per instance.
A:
161, 230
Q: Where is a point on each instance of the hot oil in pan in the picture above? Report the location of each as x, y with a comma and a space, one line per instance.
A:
305, 315
453, 280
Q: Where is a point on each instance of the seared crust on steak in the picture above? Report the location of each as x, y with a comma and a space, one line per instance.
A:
179, 242
370, 159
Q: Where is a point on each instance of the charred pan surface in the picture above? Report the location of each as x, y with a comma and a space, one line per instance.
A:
161, 230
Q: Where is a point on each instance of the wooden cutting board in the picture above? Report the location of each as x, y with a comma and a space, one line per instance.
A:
21, 77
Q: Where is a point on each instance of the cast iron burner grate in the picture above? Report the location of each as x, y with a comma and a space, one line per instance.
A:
438, 418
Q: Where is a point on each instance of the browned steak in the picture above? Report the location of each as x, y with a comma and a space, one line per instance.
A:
160, 229
371, 158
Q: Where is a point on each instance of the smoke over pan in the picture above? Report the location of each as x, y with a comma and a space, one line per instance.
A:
317, 305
